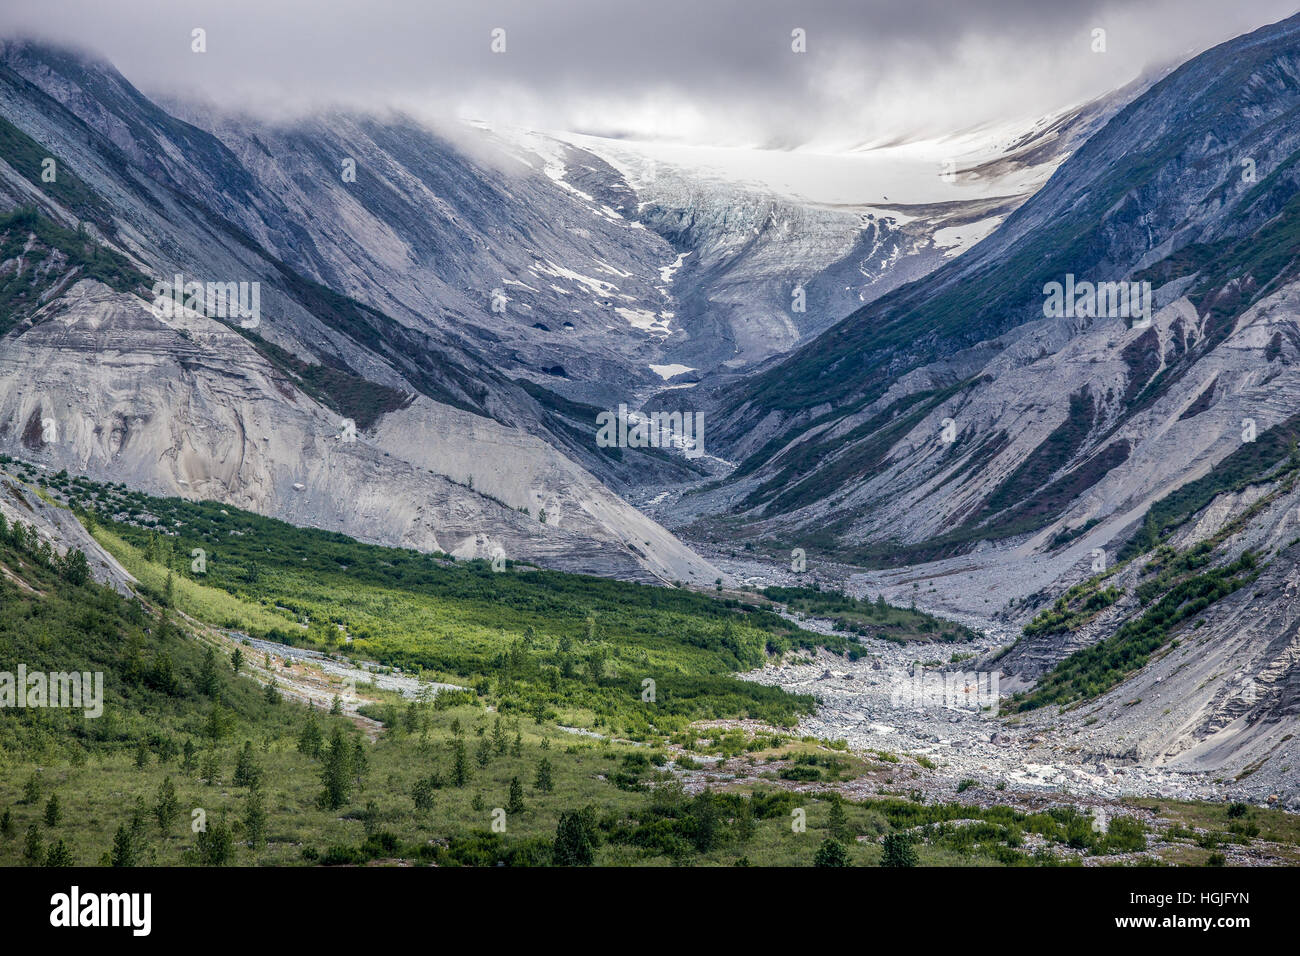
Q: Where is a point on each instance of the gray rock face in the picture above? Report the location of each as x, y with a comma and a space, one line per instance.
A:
984, 457
506, 284
1158, 194
185, 406
201, 410
58, 527
747, 249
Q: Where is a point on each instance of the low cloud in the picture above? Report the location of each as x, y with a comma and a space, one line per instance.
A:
719, 71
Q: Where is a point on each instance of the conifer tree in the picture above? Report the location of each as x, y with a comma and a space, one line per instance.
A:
247, 772
838, 823
255, 818
573, 845
53, 811
543, 784
167, 807
831, 853
459, 764
423, 795
210, 770
58, 855
899, 851
32, 850
209, 678
336, 775
310, 739
360, 764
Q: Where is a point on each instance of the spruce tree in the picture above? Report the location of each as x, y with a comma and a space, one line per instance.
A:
209, 677
543, 784
423, 795
32, 850
167, 807
53, 812
459, 764
310, 739
573, 846
838, 824
516, 802
360, 764
247, 772
336, 774
255, 818
900, 850
831, 853
215, 845
210, 770
745, 821
125, 852
58, 855
704, 811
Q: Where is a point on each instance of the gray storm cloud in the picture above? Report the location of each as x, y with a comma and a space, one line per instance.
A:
702, 70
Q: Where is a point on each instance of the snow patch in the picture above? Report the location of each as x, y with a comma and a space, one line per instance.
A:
668, 371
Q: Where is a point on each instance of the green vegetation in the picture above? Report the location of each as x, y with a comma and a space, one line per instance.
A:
868, 618
27, 157
334, 386
1095, 669
189, 737
1271, 457
1076, 607
538, 642
40, 254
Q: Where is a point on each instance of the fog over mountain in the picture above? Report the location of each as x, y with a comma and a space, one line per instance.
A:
717, 73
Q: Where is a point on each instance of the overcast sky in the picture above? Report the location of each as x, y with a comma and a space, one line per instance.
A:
706, 71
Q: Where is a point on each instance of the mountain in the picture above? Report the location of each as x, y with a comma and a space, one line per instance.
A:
471, 300
775, 245
1058, 421
455, 450
1115, 493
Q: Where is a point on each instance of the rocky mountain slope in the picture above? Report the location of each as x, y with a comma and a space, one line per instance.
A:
478, 297
1063, 422
1114, 493
775, 246
249, 414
